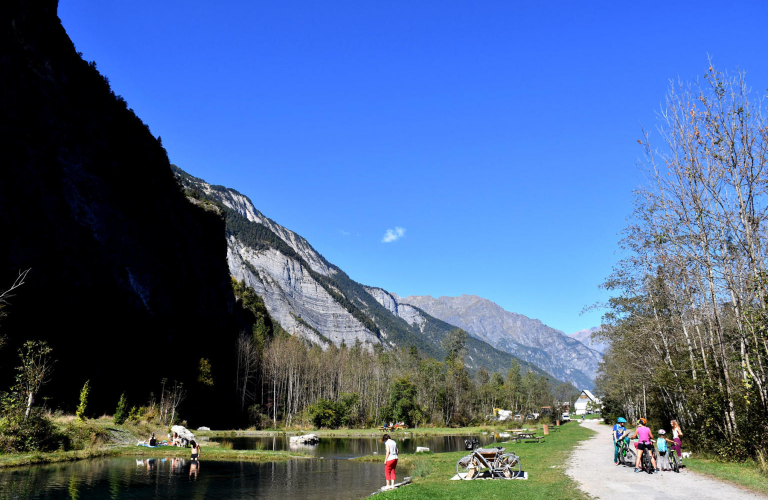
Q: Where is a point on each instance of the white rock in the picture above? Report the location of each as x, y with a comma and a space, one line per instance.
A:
185, 435
203, 428
305, 439
419, 449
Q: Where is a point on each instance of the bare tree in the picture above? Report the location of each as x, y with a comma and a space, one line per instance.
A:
693, 286
175, 397
35, 370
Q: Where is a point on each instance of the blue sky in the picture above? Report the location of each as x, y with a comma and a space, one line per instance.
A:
497, 141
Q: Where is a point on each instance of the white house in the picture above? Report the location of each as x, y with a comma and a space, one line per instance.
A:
587, 402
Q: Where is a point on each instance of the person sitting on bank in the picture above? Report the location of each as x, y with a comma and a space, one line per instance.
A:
152, 440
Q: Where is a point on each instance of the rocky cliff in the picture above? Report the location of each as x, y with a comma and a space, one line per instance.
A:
313, 298
529, 339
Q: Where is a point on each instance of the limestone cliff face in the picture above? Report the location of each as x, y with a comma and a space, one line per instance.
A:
410, 314
529, 339
293, 297
286, 280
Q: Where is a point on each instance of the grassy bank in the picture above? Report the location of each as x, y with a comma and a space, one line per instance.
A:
544, 462
103, 438
747, 475
207, 453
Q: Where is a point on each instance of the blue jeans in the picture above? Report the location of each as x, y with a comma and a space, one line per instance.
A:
615, 451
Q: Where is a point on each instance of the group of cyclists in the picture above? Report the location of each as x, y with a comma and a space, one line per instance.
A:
644, 443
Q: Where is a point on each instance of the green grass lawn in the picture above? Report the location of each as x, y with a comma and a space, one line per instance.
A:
544, 462
745, 474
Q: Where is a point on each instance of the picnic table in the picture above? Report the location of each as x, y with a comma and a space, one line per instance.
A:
393, 428
529, 437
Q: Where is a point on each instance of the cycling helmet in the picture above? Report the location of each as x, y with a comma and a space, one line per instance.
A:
662, 432
621, 420
642, 421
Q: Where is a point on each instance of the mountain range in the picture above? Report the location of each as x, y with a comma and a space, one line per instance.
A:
315, 299
529, 339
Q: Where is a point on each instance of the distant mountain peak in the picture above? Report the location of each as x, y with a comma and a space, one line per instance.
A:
528, 338
585, 337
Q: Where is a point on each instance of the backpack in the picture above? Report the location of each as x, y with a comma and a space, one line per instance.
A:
661, 444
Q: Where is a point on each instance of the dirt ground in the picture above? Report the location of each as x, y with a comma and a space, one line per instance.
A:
592, 466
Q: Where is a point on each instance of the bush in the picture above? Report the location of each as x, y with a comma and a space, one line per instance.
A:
326, 413
121, 413
36, 434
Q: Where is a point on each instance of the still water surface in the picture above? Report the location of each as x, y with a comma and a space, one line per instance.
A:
130, 478
330, 447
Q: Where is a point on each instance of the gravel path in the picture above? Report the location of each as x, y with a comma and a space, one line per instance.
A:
591, 465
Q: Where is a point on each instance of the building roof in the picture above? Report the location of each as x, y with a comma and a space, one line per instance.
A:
591, 396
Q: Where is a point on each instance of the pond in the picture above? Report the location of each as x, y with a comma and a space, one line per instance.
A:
129, 478
350, 447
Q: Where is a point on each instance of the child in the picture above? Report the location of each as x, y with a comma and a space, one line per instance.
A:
661, 447
619, 430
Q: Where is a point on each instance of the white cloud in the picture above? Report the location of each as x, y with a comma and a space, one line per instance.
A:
344, 233
393, 235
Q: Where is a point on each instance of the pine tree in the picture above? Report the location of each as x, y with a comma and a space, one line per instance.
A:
121, 413
83, 406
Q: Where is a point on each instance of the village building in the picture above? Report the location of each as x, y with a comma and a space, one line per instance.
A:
587, 403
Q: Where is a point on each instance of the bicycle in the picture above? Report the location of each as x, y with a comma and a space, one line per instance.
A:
498, 463
626, 455
674, 462
645, 461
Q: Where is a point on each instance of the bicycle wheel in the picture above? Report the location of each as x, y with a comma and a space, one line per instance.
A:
674, 461
629, 457
646, 462
466, 468
511, 463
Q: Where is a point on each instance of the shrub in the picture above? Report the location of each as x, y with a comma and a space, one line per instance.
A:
326, 413
134, 415
121, 413
37, 433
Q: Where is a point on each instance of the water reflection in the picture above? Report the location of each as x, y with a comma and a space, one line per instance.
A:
130, 478
332, 447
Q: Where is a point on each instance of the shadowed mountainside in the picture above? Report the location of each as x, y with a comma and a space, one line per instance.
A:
129, 281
